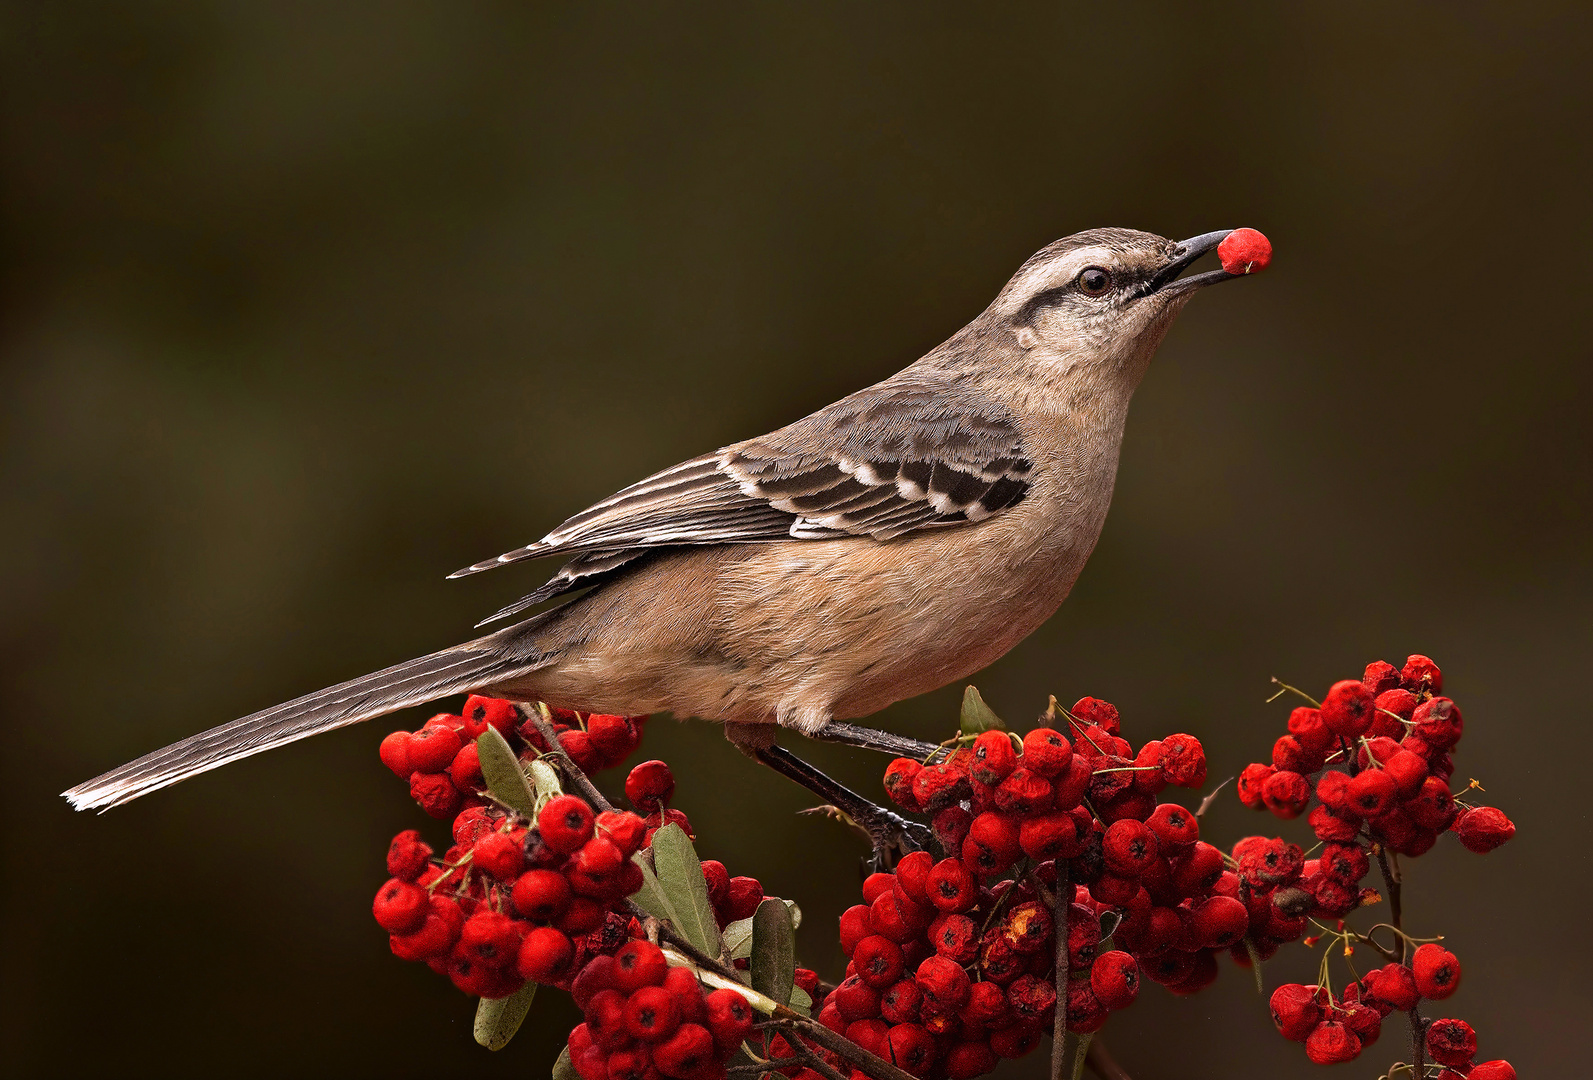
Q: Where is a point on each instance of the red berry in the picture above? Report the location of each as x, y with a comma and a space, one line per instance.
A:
1103, 714
682, 982
1175, 827
1420, 673
855, 999
1365, 1021
1023, 792
1331, 1042
1046, 752
596, 975
432, 749
624, 828
490, 938
1086, 1014
493, 712
899, 777
1371, 793
911, 1048
993, 757
401, 907
545, 957
632, 1063
1252, 784
956, 937
1432, 807
407, 855
967, 1060
1183, 761
614, 737
871, 1035
943, 983
729, 1019
1129, 848
566, 823
1070, 785
743, 898
638, 964
1483, 828
650, 786
1379, 676
394, 752
1492, 1070
900, 1004
912, 874
434, 939
1245, 251
581, 750
952, 887
541, 895
1031, 998
878, 961
499, 854
465, 769
1114, 977
1438, 723
1451, 1042
1395, 985
1019, 1040
1286, 794
939, 786
686, 1052
651, 1014
1437, 971
1348, 709
1296, 1010
436, 794
992, 843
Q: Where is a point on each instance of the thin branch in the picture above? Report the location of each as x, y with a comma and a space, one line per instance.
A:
565, 764
1060, 904
1418, 1026
817, 1063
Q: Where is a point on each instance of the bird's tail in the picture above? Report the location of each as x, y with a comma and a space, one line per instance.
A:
465, 667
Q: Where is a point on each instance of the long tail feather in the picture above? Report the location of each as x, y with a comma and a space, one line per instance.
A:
452, 671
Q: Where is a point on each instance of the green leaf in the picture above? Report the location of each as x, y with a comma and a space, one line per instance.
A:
800, 1001
501, 769
650, 897
564, 1068
773, 950
738, 935
684, 888
977, 717
497, 1019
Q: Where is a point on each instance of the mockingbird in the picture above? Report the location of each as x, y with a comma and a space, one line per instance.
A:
891, 543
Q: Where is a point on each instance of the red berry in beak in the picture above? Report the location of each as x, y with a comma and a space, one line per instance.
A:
1245, 251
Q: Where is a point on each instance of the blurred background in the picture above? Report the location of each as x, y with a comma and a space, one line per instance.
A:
306, 305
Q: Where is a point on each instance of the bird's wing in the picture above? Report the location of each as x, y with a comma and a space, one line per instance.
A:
889, 460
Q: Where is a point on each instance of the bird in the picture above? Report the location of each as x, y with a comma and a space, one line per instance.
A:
891, 543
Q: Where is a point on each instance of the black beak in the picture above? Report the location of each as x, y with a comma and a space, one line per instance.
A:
1183, 255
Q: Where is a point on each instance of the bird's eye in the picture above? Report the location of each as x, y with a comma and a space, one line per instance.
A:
1094, 281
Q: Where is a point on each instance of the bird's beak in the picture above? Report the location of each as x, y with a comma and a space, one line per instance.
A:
1168, 283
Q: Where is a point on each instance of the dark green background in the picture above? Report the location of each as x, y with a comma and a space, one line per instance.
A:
306, 305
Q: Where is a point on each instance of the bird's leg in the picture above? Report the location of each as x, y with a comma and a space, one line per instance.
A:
883, 742
892, 835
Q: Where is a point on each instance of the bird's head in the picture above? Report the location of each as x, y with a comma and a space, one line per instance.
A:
1093, 307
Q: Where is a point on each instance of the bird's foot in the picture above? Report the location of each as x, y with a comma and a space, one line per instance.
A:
890, 835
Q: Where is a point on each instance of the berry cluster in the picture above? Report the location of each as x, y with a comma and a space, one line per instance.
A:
644, 1019
518, 899
1380, 752
444, 772
513, 900
953, 959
